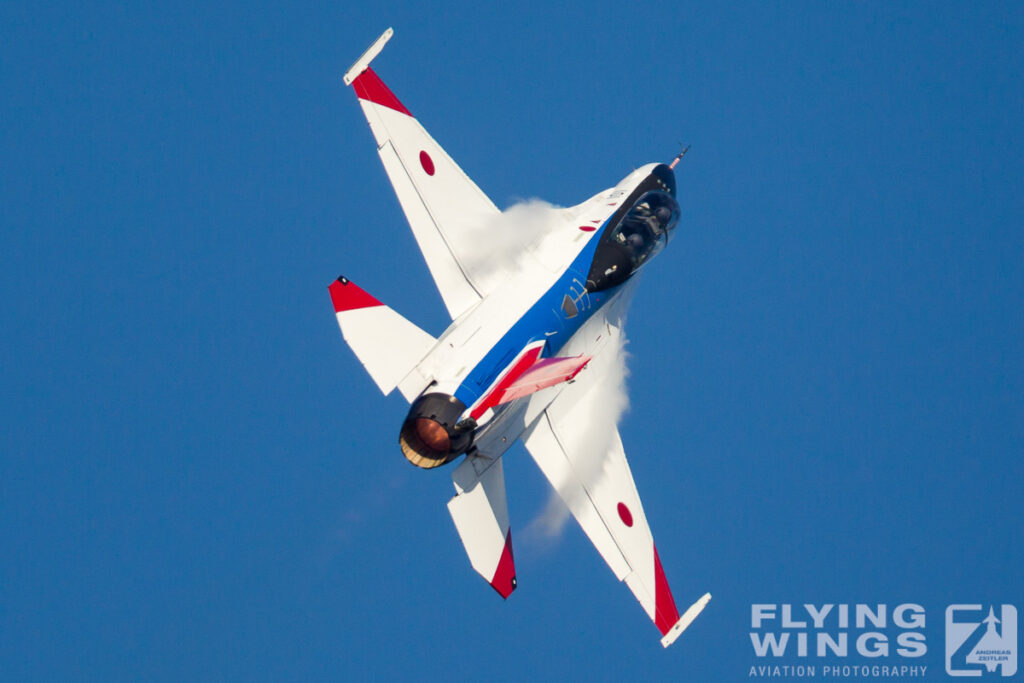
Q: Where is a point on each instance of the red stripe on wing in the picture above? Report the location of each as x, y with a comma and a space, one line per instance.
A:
504, 580
369, 87
665, 612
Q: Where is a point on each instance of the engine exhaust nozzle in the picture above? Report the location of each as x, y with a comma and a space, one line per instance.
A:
431, 435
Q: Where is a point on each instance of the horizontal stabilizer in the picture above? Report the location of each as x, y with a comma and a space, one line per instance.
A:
480, 513
386, 344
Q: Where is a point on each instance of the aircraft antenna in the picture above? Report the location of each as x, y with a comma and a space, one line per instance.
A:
679, 156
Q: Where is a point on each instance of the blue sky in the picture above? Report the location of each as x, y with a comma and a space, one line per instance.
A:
827, 377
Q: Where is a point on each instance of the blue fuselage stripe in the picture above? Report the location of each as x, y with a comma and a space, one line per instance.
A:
545, 316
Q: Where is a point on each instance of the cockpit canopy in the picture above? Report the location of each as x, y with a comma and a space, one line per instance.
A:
644, 230
640, 234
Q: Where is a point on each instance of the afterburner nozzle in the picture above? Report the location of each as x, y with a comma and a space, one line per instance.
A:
431, 435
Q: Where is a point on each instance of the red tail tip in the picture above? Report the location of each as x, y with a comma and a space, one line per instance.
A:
346, 296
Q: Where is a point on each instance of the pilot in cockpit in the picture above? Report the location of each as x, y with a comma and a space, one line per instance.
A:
642, 232
663, 215
638, 229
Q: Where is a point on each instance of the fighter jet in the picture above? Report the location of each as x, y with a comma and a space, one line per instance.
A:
529, 354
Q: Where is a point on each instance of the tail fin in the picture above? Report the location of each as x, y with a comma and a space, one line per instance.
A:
387, 345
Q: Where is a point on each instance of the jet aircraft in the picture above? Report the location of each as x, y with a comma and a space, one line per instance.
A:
529, 352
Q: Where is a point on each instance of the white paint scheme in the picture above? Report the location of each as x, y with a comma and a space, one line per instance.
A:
386, 344
364, 61
688, 616
561, 471
593, 483
449, 214
480, 512
446, 211
473, 335
456, 290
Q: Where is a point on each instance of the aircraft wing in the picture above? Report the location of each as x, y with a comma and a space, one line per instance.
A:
445, 209
583, 458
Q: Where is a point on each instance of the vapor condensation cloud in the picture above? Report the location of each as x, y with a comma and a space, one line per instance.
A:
604, 405
496, 250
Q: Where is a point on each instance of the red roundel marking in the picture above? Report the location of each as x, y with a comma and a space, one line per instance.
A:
427, 163
587, 228
625, 515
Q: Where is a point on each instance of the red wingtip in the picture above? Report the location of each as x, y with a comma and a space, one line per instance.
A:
369, 87
665, 612
504, 580
346, 296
